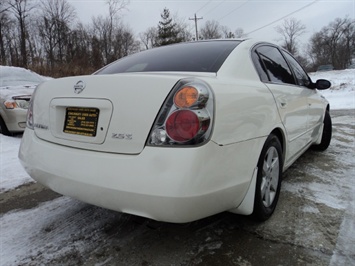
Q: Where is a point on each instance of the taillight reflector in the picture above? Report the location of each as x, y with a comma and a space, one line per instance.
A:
182, 125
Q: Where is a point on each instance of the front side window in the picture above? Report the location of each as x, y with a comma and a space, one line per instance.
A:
301, 76
275, 65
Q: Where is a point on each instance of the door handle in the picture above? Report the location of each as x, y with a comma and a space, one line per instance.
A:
283, 104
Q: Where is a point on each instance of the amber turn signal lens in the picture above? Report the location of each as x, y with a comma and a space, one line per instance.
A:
186, 97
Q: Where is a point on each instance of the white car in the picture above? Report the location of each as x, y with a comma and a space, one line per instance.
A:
16, 87
180, 132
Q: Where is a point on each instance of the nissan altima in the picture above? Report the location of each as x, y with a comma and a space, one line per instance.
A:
180, 132
16, 87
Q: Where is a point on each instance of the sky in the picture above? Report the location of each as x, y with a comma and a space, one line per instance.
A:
256, 17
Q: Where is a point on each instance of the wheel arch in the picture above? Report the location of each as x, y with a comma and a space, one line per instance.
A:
3, 128
247, 205
279, 133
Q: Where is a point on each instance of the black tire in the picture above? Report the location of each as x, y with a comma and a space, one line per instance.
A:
3, 128
326, 134
268, 181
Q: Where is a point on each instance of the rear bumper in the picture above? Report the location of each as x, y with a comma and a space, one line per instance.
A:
165, 184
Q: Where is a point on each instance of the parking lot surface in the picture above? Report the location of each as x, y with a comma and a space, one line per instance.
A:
314, 223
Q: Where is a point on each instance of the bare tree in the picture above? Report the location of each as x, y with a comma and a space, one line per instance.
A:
105, 28
124, 42
53, 25
211, 30
334, 44
5, 27
227, 33
148, 37
21, 10
290, 30
184, 29
78, 52
239, 33
114, 7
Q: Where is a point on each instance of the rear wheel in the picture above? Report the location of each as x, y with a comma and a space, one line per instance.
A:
268, 181
3, 128
326, 134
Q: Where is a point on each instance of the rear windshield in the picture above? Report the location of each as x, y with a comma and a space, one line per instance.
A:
192, 57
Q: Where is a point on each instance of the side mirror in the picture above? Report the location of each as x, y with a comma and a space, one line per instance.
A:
322, 84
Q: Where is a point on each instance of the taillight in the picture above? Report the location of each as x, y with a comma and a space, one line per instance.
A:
29, 119
186, 116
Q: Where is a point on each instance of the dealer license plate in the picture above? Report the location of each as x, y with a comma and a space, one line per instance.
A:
81, 121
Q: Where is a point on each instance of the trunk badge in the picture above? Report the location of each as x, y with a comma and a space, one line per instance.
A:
79, 86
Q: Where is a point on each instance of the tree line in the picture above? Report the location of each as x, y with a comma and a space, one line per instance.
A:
46, 37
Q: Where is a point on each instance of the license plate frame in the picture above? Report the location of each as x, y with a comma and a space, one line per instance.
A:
81, 121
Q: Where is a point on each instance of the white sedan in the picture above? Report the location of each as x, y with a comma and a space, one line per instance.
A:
16, 87
180, 132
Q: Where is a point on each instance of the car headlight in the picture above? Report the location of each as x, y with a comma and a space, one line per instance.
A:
13, 104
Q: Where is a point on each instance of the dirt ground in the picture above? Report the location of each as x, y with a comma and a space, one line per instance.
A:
309, 227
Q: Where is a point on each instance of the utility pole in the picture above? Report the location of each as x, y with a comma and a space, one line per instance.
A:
195, 19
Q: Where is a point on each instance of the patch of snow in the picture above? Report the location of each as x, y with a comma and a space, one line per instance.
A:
332, 187
310, 209
12, 174
341, 94
335, 189
17, 76
345, 248
55, 229
35, 235
6, 93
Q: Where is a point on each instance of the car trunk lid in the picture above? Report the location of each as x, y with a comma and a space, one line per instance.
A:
109, 113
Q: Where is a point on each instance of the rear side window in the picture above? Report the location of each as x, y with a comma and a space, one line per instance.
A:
260, 67
274, 65
191, 57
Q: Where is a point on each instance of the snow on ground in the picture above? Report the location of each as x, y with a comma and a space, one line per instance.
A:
335, 188
12, 174
341, 95
68, 225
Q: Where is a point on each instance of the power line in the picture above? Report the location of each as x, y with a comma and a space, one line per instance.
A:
203, 6
196, 19
277, 20
238, 7
214, 8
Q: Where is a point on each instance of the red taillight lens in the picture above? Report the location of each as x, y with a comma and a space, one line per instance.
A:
182, 125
